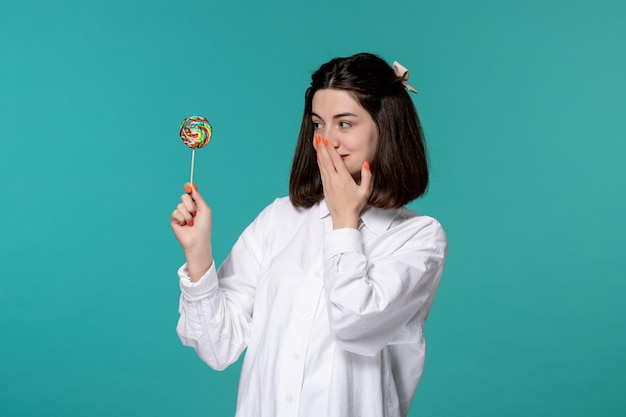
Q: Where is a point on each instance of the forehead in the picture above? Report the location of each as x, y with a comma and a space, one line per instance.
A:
332, 101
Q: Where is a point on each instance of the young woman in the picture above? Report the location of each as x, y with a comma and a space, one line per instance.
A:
329, 289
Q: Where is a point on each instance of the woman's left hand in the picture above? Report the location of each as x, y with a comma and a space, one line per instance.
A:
344, 197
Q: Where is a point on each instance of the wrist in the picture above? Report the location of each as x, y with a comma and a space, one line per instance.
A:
199, 261
351, 222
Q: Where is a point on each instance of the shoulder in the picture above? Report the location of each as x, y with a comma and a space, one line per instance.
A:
283, 206
282, 211
419, 229
283, 203
407, 215
277, 223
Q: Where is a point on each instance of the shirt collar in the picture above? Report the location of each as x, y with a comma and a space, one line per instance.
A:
375, 219
324, 212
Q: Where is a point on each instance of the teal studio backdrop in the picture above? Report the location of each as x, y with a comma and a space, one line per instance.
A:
523, 109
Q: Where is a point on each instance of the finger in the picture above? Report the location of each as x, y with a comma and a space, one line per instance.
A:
366, 177
184, 214
323, 159
189, 187
178, 218
196, 197
330, 162
189, 204
338, 165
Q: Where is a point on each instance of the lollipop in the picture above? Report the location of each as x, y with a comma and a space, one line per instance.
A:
195, 132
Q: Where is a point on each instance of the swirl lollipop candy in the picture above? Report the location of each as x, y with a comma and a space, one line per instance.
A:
195, 132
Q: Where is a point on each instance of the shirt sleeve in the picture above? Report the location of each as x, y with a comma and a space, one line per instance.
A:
216, 311
372, 298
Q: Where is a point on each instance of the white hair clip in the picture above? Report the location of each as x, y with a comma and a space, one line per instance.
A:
403, 74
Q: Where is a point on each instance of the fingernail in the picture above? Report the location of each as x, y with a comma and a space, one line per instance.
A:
187, 188
190, 222
193, 214
366, 165
195, 187
325, 141
317, 139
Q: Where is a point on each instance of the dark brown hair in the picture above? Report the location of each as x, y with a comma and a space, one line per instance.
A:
399, 168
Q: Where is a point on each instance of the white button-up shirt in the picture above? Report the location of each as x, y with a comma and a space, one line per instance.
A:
332, 320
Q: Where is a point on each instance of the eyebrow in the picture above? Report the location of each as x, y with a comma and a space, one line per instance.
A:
337, 116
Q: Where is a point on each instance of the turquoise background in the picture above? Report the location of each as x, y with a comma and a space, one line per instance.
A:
523, 109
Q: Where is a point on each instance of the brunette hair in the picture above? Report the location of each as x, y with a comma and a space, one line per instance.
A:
399, 167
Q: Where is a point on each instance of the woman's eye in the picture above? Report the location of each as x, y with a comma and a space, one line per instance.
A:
345, 125
317, 125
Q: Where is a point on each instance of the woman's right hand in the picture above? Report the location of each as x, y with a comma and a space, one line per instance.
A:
192, 224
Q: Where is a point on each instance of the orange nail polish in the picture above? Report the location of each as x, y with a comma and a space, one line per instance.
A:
190, 223
325, 141
193, 214
187, 188
317, 139
366, 165
195, 187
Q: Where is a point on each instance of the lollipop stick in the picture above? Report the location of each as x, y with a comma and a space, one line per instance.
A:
193, 158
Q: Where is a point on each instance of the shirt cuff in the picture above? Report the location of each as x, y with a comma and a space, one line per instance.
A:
201, 288
342, 241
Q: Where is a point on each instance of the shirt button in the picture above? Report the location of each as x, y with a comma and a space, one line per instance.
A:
289, 398
305, 314
317, 274
296, 357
